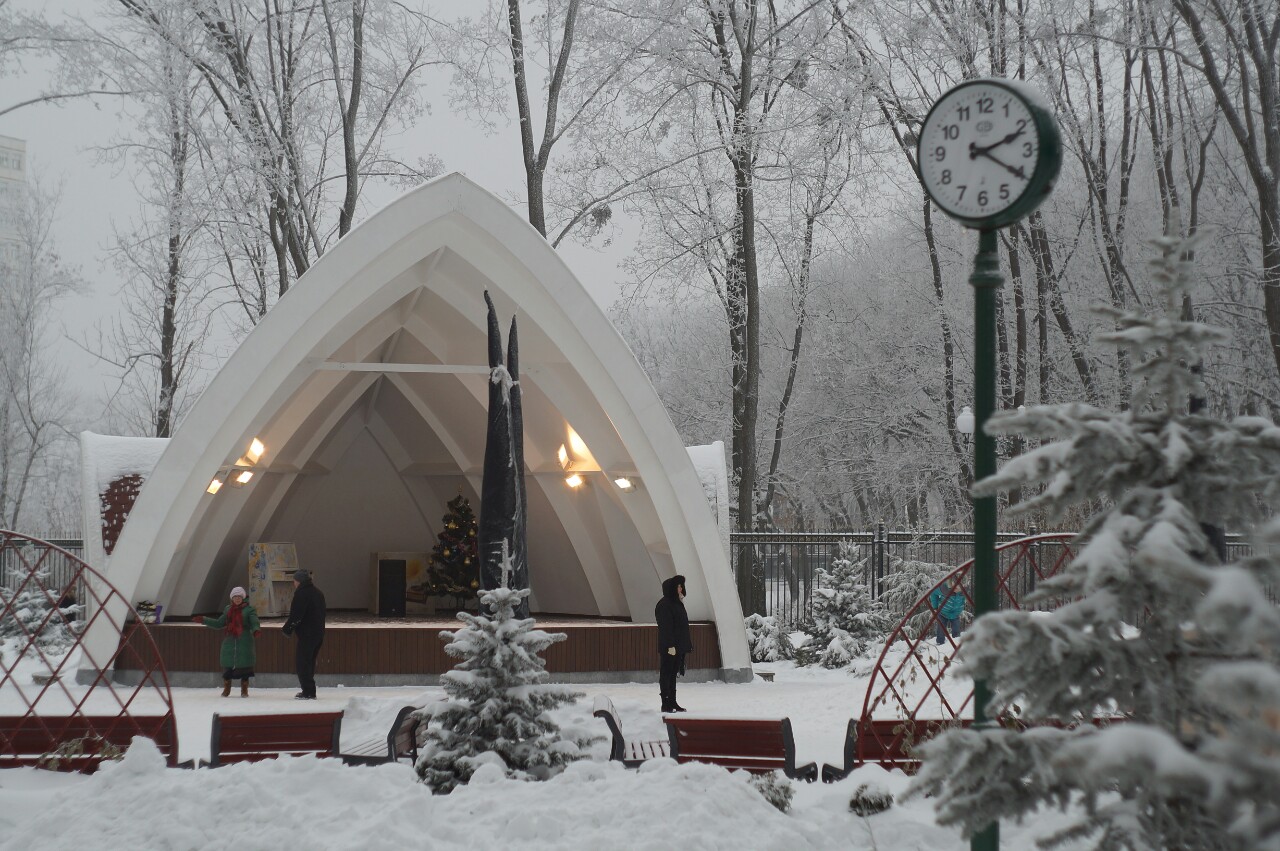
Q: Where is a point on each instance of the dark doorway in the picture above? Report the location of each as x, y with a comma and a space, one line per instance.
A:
391, 587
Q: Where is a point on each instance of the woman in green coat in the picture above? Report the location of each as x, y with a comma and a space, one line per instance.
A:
239, 624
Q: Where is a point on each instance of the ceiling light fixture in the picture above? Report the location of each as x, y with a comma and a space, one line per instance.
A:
574, 481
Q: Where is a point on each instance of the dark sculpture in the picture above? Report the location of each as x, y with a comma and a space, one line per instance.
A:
503, 510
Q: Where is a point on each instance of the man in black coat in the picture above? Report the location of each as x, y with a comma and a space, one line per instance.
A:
673, 640
306, 618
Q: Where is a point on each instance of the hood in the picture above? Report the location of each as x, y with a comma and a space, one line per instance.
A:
669, 587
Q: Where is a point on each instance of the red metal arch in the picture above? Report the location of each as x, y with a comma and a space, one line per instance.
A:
47, 700
905, 701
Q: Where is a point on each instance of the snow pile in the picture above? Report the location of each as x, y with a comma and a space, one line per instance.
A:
309, 802
322, 804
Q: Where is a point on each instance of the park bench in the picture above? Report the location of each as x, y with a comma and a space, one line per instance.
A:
80, 742
889, 742
401, 741
629, 753
249, 738
758, 745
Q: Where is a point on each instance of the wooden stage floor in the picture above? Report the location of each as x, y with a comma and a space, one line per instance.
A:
363, 649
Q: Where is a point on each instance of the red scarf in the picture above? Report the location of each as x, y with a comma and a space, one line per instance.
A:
235, 620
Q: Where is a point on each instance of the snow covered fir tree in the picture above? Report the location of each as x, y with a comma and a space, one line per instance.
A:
1150, 627
845, 620
768, 640
454, 562
498, 700
32, 616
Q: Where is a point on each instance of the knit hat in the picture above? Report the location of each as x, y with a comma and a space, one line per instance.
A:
302, 576
238, 592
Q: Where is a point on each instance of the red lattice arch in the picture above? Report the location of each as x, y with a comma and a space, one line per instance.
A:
905, 700
59, 706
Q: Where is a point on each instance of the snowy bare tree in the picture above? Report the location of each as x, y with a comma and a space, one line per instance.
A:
157, 342
306, 95
29, 34
35, 410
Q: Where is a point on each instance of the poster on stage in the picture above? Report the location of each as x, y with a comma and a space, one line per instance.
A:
271, 569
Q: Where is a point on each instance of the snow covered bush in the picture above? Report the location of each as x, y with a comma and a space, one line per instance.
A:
869, 799
775, 788
1148, 621
845, 620
498, 704
32, 610
904, 585
767, 640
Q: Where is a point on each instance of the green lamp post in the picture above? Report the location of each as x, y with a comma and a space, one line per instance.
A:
988, 155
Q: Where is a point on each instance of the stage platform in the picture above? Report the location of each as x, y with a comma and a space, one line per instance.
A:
361, 649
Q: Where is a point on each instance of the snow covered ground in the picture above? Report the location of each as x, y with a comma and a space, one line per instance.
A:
322, 804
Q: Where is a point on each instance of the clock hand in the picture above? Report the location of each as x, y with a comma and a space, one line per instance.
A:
974, 150
1016, 172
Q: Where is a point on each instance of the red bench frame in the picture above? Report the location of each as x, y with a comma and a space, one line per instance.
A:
28, 740
249, 738
758, 745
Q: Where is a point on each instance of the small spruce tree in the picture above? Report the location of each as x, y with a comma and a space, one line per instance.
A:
767, 640
1149, 623
498, 700
32, 614
845, 620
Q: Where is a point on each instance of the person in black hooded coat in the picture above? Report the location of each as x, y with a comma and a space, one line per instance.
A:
306, 618
673, 640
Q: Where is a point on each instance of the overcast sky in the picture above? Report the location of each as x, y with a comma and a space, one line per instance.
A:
61, 143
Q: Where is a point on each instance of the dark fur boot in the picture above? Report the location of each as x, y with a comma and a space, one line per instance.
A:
226, 688
244, 688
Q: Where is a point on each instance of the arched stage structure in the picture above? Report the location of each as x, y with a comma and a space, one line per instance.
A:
356, 410
50, 600
906, 701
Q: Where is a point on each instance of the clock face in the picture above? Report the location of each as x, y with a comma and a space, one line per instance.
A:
980, 153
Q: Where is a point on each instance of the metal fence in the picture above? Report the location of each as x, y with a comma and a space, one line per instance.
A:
777, 572
17, 557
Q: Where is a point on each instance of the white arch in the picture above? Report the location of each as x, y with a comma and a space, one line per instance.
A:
419, 267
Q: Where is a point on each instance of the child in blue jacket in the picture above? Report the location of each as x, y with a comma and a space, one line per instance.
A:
949, 606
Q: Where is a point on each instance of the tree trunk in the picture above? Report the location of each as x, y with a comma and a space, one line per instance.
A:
948, 355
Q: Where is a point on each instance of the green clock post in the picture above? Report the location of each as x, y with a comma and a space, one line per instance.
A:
988, 154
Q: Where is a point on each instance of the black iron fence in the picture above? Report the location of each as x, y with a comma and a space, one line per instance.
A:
777, 572
19, 555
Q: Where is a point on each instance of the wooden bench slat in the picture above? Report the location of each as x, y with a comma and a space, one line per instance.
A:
631, 753
401, 741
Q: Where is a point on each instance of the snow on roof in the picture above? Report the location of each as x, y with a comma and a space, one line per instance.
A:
108, 457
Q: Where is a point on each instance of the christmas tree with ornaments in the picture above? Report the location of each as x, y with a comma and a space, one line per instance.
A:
454, 566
